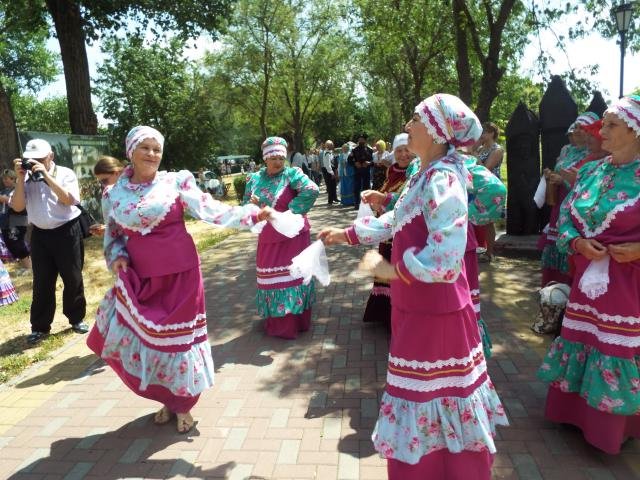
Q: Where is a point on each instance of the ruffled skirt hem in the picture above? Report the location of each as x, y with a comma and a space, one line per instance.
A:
407, 431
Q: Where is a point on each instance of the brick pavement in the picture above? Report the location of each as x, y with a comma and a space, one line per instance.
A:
282, 409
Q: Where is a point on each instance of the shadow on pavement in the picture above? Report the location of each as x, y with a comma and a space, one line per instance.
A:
65, 371
125, 453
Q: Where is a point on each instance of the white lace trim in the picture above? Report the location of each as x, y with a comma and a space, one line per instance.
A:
610, 338
606, 223
272, 269
406, 219
279, 279
402, 362
119, 285
476, 307
603, 316
163, 342
416, 385
475, 291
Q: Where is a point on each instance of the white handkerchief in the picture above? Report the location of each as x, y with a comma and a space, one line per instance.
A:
257, 228
538, 197
595, 279
312, 261
287, 223
364, 210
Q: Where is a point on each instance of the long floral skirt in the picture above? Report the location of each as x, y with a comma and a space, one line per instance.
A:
153, 333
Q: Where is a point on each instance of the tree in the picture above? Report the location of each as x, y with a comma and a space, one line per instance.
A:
153, 84
406, 48
79, 21
24, 63
281, 60
48, 115
494, 35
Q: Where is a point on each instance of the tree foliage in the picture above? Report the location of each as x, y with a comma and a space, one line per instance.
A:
152, 84
25, 64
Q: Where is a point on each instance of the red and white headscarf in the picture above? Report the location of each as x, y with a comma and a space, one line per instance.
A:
628, 110
274, 147
138, 134
449, 120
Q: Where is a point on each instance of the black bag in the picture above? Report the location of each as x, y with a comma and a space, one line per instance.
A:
85, 220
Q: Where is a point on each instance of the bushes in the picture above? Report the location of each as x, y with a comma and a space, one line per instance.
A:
239, 185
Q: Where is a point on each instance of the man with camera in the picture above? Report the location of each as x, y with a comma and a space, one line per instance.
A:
50, 194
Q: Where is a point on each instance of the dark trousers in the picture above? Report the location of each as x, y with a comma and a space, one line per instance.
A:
330, 182
59, 251
361, 181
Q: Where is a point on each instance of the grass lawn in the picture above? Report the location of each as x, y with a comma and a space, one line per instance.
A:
16, 355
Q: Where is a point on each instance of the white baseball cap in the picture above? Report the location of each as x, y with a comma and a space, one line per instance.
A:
36, 148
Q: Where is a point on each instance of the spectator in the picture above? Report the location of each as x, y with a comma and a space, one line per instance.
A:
361, 158
50, 193
329, 172
379, 169
14, 225
107, 171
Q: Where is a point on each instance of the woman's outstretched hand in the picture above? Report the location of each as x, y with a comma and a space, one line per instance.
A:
265, 213
332, 235
376, 265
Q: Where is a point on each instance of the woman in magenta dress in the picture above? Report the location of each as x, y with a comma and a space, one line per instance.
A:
283, 301
555, 266
487, 199
594, 366
378, 307
151, 327
439, 412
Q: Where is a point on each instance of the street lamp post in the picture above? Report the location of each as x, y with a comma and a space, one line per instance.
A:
623, 20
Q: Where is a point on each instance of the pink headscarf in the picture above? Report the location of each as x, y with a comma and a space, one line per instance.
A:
449, 120
138, 134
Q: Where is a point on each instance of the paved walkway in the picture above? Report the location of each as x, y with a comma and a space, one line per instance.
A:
284, 409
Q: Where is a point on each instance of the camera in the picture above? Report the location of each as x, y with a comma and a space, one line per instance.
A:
27, 165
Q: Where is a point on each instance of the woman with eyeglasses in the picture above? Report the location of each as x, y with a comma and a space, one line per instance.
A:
439, 412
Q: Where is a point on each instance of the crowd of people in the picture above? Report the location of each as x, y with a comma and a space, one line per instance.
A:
434, 193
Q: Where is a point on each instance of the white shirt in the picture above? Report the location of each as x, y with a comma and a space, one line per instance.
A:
43, 208
326, 161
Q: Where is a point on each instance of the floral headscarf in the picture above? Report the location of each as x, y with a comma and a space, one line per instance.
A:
449, 120
274, 147
628, 110
138, 134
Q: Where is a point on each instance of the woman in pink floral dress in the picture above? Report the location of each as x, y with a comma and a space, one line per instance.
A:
439, 412
151, 327
594, 365
283, 301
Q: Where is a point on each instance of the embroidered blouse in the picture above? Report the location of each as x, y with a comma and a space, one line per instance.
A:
439, 194
141, 207
487, 194
601, 191
269, 188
